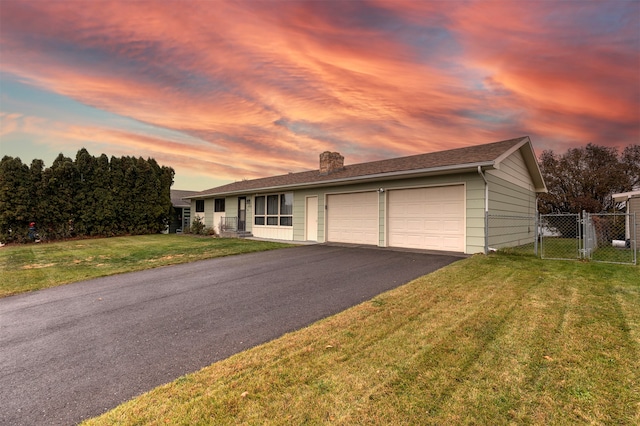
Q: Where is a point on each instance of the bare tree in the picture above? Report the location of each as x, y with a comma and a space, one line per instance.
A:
585, 178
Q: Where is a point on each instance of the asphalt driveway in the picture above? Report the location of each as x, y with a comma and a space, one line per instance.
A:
73, 352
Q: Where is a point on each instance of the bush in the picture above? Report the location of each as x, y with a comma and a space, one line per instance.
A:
197, 226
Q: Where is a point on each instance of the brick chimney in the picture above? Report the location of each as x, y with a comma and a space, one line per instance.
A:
331, 162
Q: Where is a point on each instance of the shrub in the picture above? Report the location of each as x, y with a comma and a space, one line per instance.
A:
197, 226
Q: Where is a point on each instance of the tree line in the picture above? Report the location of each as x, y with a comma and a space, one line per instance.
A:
88, 196
585, 178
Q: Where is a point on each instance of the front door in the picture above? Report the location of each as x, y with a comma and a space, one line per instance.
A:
242, 214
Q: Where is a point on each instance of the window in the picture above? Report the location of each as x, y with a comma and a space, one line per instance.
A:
259, 215
218, 205
286, 209
274, 210
199, 206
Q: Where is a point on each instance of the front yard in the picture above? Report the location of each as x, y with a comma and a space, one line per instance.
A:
500, 339
35, 266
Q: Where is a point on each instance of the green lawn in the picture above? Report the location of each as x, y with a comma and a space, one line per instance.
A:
36, 266
500, 339
560, 248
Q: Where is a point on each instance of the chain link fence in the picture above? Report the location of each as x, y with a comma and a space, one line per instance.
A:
599, 237
608, 237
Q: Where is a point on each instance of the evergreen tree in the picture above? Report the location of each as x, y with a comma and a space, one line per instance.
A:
60, 186
118, 185
130, 194
85, 202
105, 216
88, 196
15, 213
37, 199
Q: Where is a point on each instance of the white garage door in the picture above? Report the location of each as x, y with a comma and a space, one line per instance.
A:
427, 218
353, 218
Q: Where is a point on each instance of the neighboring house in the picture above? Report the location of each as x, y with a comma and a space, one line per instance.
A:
632, 206
181, 213
434, 201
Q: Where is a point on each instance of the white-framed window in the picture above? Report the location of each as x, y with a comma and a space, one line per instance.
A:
273, 210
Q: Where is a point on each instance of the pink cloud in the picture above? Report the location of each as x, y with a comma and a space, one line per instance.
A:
561, 64
267, 86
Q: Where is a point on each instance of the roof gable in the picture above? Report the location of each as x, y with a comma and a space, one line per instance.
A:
529, 156
453, 160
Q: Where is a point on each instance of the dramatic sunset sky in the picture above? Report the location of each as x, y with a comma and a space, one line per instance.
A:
223, 91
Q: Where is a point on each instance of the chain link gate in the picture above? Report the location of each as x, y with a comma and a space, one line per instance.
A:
601, 237
560, 236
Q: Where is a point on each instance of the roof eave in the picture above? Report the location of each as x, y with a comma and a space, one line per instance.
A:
458, 168
624, 196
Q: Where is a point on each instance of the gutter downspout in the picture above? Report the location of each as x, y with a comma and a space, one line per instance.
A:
536, 224
486, 210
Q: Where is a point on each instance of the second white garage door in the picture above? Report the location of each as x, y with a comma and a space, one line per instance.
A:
427, 218
353, 218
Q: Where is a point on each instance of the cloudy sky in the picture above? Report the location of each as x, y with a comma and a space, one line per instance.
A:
223, 91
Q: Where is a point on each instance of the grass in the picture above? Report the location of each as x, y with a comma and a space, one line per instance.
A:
36, 266
500, 339
569, 248
605, 253
560, 248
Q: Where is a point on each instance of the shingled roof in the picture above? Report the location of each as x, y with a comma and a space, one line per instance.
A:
178, 197
449, 161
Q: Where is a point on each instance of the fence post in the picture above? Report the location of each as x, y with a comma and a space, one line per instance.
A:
634, 235
582, 234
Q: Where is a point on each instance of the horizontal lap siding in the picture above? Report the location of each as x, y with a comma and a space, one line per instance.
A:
475, 214
511, 194
506, 200
474, 205
207, 215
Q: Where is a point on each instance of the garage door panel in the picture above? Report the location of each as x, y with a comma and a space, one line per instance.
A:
451, 209
353, 218
452, 227
413, 209
415, 241
432, 241
413, 223
427, 218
